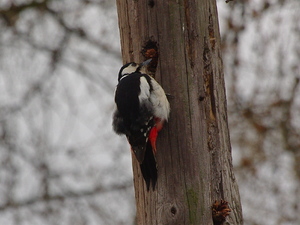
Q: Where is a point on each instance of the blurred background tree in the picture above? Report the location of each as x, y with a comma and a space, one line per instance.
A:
60, 162
261, 55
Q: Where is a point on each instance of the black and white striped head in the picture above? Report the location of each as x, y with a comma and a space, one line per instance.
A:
133, 67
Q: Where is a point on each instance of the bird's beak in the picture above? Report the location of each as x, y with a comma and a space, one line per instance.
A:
145, 63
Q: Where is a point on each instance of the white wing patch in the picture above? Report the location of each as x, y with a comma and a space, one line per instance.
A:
157, 98
159, 101
145, 90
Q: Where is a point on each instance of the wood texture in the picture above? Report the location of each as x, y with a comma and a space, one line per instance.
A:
194, 153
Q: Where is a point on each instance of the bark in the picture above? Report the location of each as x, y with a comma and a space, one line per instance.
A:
194, 153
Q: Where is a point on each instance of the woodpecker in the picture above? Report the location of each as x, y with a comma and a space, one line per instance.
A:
141, 110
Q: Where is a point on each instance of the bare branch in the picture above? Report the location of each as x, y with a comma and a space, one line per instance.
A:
67, 195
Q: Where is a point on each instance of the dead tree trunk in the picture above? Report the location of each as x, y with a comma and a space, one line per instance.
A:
194, 153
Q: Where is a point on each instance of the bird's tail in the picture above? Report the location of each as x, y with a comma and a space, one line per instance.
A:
148, 167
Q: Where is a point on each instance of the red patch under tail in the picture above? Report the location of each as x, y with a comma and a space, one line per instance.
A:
154, 132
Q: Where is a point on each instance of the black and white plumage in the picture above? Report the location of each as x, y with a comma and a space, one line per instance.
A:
141, 109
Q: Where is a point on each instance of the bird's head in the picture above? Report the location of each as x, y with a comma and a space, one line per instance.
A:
133, 67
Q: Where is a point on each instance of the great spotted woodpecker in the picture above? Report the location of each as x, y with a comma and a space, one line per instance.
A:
141, 109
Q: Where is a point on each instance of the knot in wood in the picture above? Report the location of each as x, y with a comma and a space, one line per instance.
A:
173, 210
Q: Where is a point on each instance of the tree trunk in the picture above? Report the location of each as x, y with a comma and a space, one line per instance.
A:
193, 149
